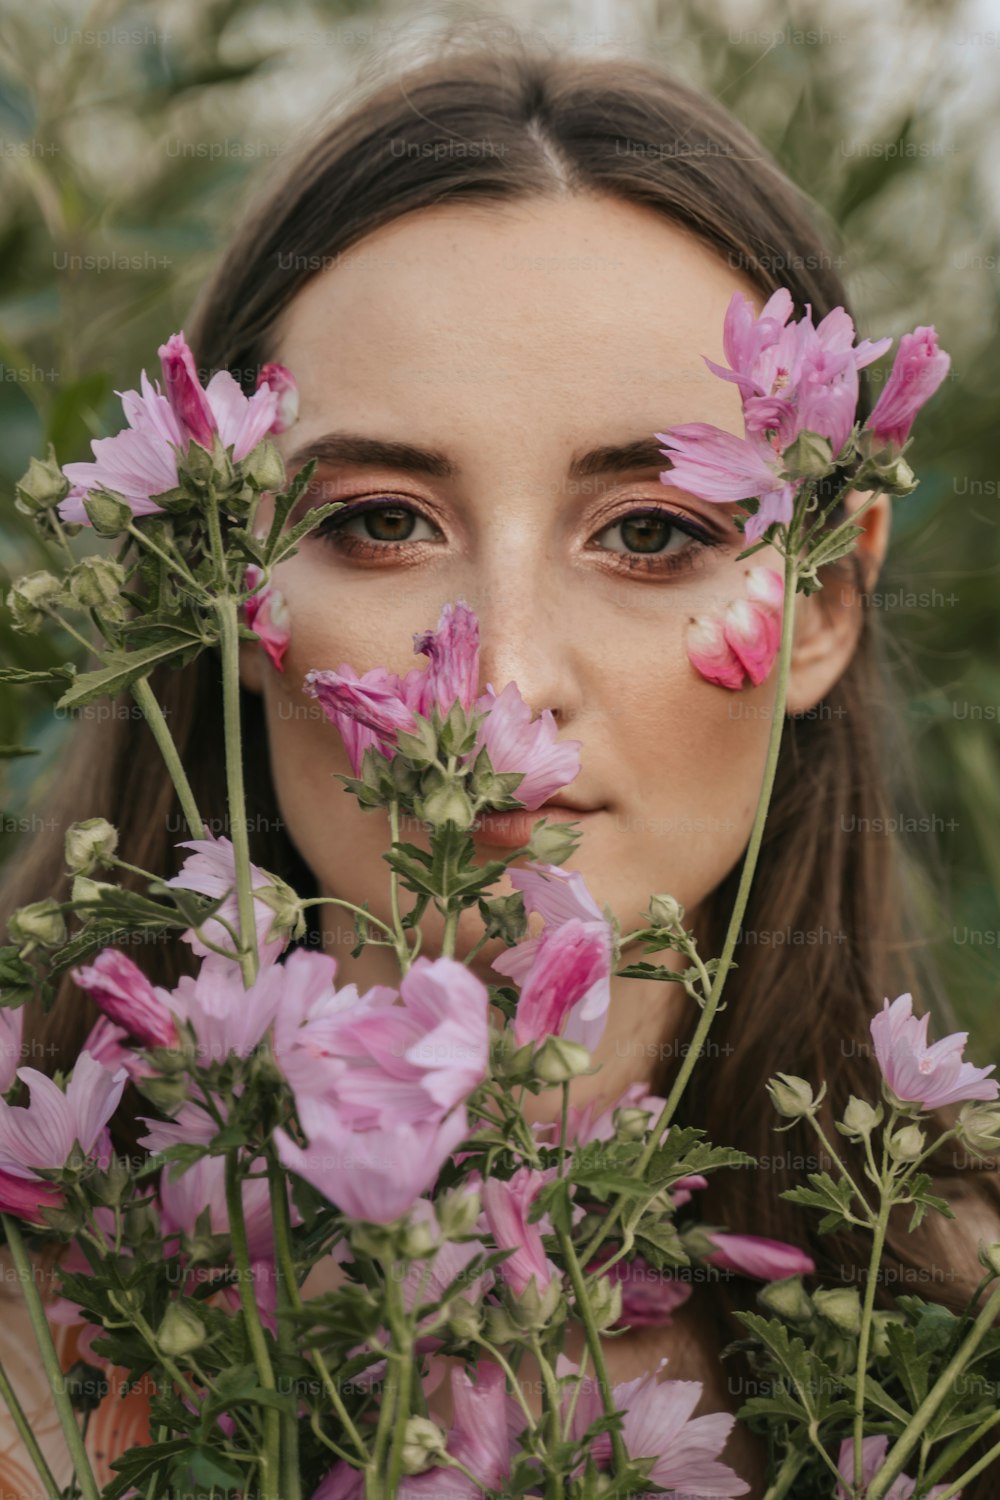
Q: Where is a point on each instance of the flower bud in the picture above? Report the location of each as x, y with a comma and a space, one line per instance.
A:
606, 1302
41, 486
860, 1119
85, 889
27, 599
457, 1210
907, 1144
90, 843
978, 1126
553, 843
289, 917
417, 1240
880, 1332
792, 1097
108, 514
499, 1328
504, 917
557, 1060
96, 583
534, 1310
39, 922
808, 457
464, 1319
841, 1306
787, 1298
422, 1442
181, 1331
989, 1257
264, 466
632, 1123
666, 912
446, 804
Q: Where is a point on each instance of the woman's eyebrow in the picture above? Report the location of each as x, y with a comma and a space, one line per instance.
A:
353, 448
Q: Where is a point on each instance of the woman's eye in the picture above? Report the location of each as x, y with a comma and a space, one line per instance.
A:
373, 526
653, 533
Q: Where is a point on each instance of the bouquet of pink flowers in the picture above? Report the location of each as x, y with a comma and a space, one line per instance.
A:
297, 1124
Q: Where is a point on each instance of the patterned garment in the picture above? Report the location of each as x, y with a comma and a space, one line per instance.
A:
119, 1422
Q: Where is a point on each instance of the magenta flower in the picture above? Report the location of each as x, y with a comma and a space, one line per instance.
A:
125, 995
565, 973
280, 380
266, 613
140, 462
743, 641
930, 1076
372, 709
752, 1255
716, 465
506, 1205
373, 1175
211, 870
42, 1134
106, 1041
658, 1423
873, 1452
25, 1197
917, 371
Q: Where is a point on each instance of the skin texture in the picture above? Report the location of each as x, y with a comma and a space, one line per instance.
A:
513, 339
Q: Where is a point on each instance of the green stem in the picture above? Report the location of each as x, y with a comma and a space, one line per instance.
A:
176, 564
874, 1261
403, 1353
270, 1475
50, 1361
897, 1455
153, 714
402, 946
552, 1488
978, 1468
285, 1274
450, 930
350, 906
52, 1489
742, 897
783, 1480
229, 640
594, 1344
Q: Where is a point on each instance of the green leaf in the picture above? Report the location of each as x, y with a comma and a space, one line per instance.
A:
121, 670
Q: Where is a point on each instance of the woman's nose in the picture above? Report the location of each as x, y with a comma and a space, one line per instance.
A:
527, 637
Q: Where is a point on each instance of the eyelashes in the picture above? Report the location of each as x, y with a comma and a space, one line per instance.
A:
644, 531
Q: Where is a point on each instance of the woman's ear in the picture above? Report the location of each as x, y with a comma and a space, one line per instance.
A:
828, 623
251, 666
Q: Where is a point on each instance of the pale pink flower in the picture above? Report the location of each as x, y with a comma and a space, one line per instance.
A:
281, 381
267, 615
564, 979
371, 709
11, 1044
873, 1452
25, 1197
190, 1126
122, 991
506, 1205
752, 1255
107, 1041
140, 462
516, 742
917, 371
717, 465
42, 1133
226, 1018
374, 1175
211, 870
743, 642
930, 1076
658, 1423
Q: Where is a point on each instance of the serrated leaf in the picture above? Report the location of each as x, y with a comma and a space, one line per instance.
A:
121, 670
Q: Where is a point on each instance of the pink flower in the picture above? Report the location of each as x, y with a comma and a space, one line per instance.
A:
373, 1175
516, 742
43, 1133
717, 465
106, 1041
658, 1422
372, 709
873, 1452
211, 870
11, 1044
649, 1297
26, 1197
506, 1205
266, 613
565, 973
917, 371
140, 462
751, 1255
281, 381
124, 994
226, 1018
930, 1076
743, 642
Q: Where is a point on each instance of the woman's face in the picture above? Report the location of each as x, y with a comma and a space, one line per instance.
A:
529, 349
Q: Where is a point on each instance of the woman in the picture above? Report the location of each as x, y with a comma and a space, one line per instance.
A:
494, 278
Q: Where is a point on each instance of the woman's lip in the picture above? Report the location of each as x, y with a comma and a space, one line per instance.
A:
508, 830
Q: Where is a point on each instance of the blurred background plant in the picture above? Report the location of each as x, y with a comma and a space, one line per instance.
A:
131, 134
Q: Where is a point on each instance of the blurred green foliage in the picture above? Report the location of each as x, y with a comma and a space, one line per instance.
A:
126, 138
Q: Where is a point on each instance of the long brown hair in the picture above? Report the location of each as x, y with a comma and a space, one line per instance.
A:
828, 876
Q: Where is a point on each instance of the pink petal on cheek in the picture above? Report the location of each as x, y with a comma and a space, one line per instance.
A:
766, 586
711, 654
753, 634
